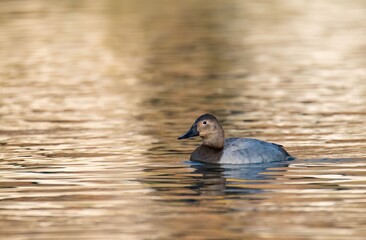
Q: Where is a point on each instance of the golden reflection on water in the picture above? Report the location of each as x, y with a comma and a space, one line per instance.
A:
94, 94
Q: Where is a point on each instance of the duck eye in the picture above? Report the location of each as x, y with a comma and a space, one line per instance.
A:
204, 122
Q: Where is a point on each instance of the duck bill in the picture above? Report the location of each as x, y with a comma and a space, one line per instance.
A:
191, 133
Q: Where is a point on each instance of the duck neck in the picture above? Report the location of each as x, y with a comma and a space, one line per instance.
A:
215, 140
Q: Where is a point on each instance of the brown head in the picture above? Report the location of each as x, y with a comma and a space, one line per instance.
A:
209, 129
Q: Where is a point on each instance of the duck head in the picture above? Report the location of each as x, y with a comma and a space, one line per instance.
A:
209, 129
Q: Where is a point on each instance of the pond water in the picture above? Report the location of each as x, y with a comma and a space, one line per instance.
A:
94, 94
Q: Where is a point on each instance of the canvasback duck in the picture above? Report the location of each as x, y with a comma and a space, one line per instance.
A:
216, 149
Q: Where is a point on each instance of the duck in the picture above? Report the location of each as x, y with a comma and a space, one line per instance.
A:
216, 149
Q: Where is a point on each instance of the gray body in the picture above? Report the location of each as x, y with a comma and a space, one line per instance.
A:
241, 151
248, 150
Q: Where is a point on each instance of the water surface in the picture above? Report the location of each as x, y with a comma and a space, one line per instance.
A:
94, 94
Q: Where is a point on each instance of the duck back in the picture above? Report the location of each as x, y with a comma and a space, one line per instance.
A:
249, 150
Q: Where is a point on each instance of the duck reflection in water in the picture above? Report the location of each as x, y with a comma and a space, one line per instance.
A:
229, 179
211, 179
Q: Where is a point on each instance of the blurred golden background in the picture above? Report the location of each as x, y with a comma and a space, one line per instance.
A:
93, 95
